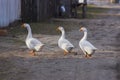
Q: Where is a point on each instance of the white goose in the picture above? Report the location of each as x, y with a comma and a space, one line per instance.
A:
32, 43
87, 48
63, 43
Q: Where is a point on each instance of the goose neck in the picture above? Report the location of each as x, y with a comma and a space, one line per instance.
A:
63, 34
29, 32
85, 36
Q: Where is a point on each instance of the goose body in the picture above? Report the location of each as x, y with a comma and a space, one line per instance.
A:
87, 48
63, 43
32, 43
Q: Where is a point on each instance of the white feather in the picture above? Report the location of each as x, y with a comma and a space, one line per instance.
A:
63, 43
32, 43
85, 45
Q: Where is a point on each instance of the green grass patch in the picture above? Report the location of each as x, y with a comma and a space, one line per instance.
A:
92, 11
48, 28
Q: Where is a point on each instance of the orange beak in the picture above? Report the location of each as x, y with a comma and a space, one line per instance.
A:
57, 29
80, 29
22, 25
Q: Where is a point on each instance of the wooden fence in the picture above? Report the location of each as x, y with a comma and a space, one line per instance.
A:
37, 10
9, 11
32, 10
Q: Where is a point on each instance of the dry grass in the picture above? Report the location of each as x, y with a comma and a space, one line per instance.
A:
93, 11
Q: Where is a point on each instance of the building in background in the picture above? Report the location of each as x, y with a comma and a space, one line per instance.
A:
35, 10
102, 1
117, 1
39, 10
10, 11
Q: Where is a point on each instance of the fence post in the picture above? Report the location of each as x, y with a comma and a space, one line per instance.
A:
84, 10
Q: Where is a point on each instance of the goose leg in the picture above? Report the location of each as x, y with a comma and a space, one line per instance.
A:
89, 55
32, 53
65, 53
86, 56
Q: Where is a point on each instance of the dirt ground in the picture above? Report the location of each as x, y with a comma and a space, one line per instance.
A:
51, 64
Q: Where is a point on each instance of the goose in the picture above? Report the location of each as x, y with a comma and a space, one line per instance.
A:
63, 43
87, 48
32, 43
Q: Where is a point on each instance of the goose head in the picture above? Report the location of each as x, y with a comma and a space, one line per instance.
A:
60, 28
25, 25
85, 33
83, 29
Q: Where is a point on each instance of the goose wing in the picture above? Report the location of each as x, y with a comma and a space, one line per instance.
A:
34, 43
65, 44
88, 47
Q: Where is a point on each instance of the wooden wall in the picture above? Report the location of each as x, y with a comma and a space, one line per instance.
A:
45, 9
9, 11
37, 10
100, 1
